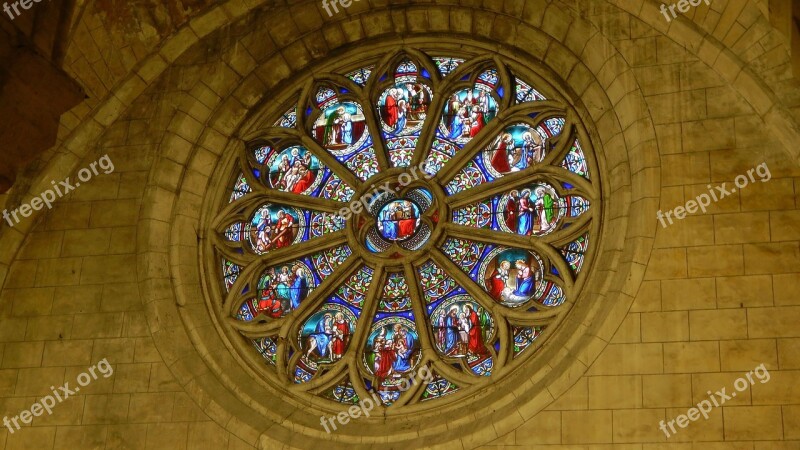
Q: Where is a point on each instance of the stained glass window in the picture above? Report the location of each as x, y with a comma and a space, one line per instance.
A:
433, 212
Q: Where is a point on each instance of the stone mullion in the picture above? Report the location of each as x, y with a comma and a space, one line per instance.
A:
294, 251
297, 200
423, 332
465, 155
505, 79
331, 162
369, 100
563, 143
428, 133
228, 250
357, 345
577, 228
235, 297
533, 174
463, 280
290, 327
545, 315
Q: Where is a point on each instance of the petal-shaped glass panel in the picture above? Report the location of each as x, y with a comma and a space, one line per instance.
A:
293, 169
536, 210
512, 276
273, 227
392, 352
462, 329
324, 337
516, 149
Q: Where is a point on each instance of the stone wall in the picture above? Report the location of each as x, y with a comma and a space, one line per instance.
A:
677, 105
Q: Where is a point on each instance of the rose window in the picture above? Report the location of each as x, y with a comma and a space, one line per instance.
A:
416, 211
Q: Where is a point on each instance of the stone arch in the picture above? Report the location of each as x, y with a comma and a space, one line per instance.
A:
584, 344
728, 64
190, 150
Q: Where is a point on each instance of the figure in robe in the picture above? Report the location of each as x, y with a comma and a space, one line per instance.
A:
306, 180
421, 99
483, 105
270, 305
479, 114
500, 157
524, 279
521, 159
463, 334
341, 335
299, 289
451, 331
385, 356
402, 116
333, 127
391, 108
534, 151
407, 223
525, 219
283, 231
403, 348
498, 280
441, 331
544, 207
412, 96
512, 210
457, 125
283, 169
320, 340
306, 175
296, 158
292, 177
268, 302
284, 282
263, 233
475, 345
453, 105
347, 129
390, 227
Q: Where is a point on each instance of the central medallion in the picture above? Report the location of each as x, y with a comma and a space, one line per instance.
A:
398, 220
401, 218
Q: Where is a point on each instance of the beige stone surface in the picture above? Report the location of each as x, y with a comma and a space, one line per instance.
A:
711, 93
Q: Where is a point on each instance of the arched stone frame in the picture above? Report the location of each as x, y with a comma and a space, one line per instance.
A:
640, 142
258, 132
563, 380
